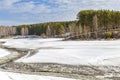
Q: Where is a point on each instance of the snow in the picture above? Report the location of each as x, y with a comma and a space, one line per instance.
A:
3, 52
70, 56
27, 43
69, 52
18, 76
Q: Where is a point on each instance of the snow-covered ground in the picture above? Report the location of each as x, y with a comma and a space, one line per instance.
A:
69, 52
4, 52
28, 43
18, 76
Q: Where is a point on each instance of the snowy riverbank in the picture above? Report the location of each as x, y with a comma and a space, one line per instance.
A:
4, 52
93, 58
18, 76
69, 52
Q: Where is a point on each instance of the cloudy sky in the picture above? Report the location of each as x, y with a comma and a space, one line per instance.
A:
16, 12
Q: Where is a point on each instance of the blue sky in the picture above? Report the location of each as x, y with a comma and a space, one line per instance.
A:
17, 12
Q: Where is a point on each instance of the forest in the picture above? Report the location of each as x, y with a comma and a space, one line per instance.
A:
90, 24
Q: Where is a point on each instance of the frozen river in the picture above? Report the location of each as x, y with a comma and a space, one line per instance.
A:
3, 52
69, 52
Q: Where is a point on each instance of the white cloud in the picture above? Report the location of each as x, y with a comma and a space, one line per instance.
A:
15, 6
7, 4
62, 1
53, 10
30, 7
22, 7
41, 9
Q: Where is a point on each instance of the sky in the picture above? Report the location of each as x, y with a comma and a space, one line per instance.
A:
18, 12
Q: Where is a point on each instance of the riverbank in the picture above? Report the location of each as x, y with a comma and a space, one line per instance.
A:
92, 60
62, 70
8, 65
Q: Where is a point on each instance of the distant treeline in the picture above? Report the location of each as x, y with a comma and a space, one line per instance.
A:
7, 31
89, 24
50, 29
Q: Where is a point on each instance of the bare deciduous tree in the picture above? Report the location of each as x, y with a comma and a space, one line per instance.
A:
95, 24
48, 31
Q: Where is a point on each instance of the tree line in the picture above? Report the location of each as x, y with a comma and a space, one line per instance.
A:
98, 21
50, 29
7, 31
89, 24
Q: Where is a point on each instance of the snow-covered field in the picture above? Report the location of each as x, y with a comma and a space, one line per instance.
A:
62, 52
3, 52
69, 52
29, 43
18, 76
